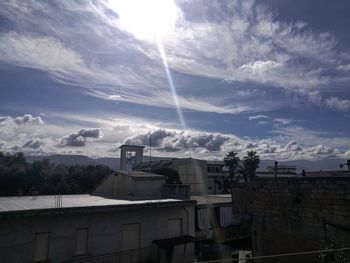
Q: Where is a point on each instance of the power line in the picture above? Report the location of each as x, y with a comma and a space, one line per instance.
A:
279, 255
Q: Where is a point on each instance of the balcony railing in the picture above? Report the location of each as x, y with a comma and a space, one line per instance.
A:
177, 191
128, 256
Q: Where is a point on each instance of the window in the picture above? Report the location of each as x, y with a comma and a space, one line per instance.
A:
41, 252
81, 246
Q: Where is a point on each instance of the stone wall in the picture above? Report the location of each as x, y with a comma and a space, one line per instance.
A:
295, 214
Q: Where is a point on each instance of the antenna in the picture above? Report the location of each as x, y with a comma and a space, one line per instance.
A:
150, 153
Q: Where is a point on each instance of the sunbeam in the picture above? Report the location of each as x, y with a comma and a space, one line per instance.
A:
171, 83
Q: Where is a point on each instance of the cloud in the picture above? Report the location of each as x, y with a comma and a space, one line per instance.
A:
292, 146
33, 144
247, 44
79, 138
337, 103
167, 141
289, 142
26, 119
258, 67
258, 117
344, 67
172, 141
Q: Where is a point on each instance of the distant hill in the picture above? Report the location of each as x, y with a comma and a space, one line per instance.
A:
113, 163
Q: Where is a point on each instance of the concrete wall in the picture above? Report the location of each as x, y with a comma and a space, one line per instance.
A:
194, 173
295, 214
146, 188
17, 233
129, 187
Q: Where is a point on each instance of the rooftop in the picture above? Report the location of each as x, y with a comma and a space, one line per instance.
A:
48, 202
212, 199
131, 146
140, 174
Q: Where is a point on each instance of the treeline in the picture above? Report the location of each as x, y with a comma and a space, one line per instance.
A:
18, 177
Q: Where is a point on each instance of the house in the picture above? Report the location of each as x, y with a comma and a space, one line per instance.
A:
87, 228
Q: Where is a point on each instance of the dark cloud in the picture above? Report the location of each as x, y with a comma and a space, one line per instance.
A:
79, 138
33, 144
292, 146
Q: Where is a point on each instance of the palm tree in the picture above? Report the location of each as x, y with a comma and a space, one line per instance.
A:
249, 165
231, 161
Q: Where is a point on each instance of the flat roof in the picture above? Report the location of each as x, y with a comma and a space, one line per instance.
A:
48, 202
212, 199
131, 145
140, 174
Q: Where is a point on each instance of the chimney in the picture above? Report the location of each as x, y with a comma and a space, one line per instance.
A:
303, 172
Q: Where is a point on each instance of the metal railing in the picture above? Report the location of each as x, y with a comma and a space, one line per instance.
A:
178, 191
127, 256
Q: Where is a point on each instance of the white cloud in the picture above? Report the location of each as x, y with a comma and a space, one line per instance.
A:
178, 143
344, 67
258, 117
258, 67
26, 119
337, 103
248, 44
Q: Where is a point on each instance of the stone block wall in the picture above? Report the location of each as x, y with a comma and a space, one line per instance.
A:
295, 214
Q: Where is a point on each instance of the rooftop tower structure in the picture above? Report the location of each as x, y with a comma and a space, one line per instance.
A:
130, 154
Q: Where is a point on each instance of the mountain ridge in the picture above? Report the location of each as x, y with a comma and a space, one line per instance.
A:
113, 162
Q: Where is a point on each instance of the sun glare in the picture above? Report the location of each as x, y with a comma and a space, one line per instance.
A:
147, 20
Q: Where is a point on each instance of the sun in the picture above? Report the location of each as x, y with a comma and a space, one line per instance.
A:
146, 19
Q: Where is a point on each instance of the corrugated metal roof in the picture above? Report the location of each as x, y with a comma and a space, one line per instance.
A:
28, 203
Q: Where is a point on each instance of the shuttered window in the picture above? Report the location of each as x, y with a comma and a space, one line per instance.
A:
41, 252
82, 241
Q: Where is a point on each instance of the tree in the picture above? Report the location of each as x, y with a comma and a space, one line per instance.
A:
240, 169
231, 161
17, 177
249, 165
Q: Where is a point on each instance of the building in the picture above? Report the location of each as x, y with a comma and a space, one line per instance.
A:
219, 234
216, 172
133, 185
192, 172
86, 228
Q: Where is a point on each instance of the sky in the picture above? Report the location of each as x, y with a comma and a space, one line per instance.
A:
202, 77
